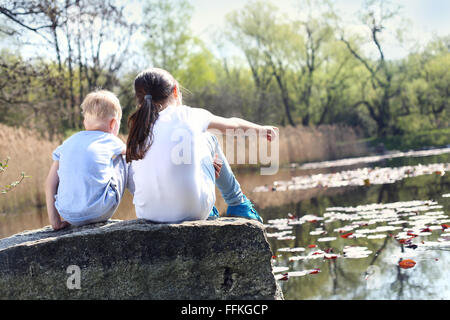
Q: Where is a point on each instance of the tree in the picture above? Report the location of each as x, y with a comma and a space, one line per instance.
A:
89, 39
316, 25
166, 23
267, 45
333, 82
425, 95
385, 85
246, 28
289, 52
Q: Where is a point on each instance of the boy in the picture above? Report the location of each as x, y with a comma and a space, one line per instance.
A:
88, 176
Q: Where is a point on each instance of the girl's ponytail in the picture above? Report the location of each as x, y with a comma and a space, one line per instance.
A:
153, 87
141, 125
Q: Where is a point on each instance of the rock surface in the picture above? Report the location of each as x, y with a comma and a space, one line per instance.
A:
226, 258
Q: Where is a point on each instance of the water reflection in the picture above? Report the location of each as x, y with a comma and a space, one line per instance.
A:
378, 276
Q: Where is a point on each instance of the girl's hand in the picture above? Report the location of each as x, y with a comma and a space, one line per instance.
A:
271, 132
217, 165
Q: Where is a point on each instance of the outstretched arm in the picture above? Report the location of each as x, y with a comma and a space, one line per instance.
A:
223, 124
51, 187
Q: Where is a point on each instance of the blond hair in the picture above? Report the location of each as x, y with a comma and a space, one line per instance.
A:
101, 105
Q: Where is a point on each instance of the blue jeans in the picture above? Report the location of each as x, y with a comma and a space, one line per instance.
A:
227, 183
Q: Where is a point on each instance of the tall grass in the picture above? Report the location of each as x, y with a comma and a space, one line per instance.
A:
303, 144
329, 142
28, 153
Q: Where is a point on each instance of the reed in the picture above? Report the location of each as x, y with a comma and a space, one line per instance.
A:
328, 142
305, 144
28, 152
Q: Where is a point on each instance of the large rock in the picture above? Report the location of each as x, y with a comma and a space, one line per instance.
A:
226, 258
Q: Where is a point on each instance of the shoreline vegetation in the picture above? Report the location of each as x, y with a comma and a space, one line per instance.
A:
29, 152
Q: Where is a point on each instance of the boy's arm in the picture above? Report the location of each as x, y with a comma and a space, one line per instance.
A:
51, 187
222, 124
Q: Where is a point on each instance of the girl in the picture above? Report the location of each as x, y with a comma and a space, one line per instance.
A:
172, 172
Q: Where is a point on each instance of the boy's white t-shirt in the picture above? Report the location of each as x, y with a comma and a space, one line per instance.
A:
175, 181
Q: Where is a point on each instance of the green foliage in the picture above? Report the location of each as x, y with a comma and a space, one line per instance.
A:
167, 25
415, 140
301, 70
125, 93
199, 71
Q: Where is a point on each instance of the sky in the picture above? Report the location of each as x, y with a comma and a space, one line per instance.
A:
426, 17
431, 15
423, 19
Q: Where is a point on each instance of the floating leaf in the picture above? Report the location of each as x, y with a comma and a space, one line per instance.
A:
345, 236
291, 249
318, 232
356, 252
296, 258
326, 239
405, 241
357, 177
282, 278
286, 238
280, 269
377, 236
291, 216
407, 264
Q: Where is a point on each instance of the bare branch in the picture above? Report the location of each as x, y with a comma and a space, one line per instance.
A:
364, 62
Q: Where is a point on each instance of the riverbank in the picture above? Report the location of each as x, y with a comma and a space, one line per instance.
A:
413, 140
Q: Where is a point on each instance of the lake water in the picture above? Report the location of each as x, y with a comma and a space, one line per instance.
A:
347, 243
343, 230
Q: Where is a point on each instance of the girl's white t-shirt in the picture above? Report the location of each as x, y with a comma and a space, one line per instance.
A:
175, 181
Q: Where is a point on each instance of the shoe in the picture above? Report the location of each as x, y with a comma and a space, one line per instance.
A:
244, 210
214, 213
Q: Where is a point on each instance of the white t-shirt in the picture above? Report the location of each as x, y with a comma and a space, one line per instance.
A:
175, 181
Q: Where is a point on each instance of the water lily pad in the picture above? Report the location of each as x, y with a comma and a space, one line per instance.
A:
326, 239
280, 269
291, 249
376, 236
